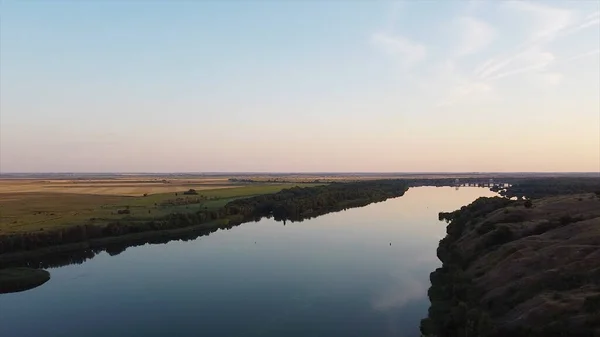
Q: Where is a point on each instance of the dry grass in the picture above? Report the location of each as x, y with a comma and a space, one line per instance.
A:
309, 178
32, 205
532, 271
34, 211
117, 187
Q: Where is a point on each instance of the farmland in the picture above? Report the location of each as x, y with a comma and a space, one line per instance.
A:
205, 212
135, 186
28, 205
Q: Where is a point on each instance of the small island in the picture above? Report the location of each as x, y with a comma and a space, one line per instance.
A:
20, 279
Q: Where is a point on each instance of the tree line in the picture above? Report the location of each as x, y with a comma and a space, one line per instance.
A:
455, 310
293, 204
535, 188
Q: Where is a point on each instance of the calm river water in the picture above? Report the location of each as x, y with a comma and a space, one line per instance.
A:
336, 275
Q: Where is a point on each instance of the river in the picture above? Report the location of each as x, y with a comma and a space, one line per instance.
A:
360, 272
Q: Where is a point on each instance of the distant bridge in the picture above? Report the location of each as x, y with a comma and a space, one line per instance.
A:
473, 182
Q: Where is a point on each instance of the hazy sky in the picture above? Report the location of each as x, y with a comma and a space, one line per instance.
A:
299, 86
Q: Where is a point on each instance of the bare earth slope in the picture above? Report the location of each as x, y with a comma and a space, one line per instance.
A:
525, 271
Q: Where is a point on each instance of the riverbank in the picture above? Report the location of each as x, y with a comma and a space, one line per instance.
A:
21, 279
519, 268
48, 224
293, 204
338, 269
66, 254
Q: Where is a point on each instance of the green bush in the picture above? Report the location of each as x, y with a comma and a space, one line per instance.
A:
592, 304
512, 217
499, 236
567, 219
485, 228
545, 226
191, 191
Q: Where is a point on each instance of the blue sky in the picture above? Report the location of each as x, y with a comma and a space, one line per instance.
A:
299, 86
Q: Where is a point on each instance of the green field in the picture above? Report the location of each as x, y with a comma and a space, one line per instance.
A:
31, 211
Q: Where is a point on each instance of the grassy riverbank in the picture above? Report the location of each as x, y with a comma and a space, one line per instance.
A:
225, 208
26, 212
34, 221
518, 268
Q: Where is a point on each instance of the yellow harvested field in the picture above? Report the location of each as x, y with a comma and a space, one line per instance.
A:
28, 205
116, 187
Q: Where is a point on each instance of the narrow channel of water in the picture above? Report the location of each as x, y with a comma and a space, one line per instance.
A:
361, 272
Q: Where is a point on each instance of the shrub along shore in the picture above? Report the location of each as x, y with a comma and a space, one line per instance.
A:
518, 268
21, 279
293, 204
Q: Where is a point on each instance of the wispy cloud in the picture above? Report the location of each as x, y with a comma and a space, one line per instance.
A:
407, 51
399, 293
589, 21
547, 24
530, 60
476, 35
529, 54
583, 55
548, 21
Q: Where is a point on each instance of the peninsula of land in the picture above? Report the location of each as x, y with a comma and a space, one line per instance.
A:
519, 268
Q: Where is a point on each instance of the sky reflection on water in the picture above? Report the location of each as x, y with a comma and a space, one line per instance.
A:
361, 272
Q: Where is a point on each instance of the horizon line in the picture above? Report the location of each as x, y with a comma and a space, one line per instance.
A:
292, 172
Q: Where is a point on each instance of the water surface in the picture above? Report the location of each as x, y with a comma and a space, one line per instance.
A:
361, 272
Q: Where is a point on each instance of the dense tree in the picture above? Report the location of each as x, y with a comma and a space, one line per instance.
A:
534, 188
289, 204
455, 310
